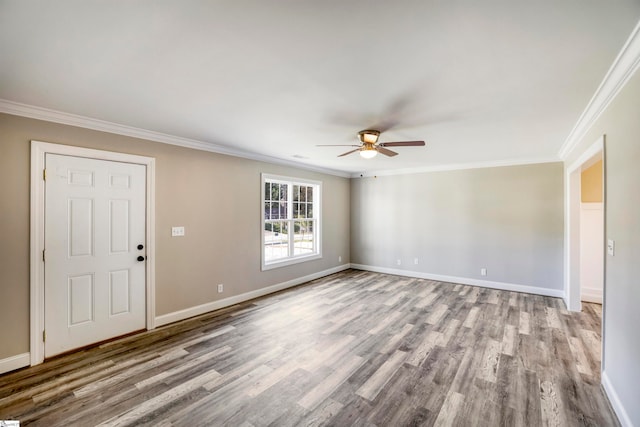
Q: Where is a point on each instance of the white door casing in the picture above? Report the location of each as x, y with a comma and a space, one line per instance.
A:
94, 223
84, 282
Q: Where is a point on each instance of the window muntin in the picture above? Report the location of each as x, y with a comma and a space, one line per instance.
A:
290, 220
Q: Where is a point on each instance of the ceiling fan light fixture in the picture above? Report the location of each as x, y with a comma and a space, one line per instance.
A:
368, 151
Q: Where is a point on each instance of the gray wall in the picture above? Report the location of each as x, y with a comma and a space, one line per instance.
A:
621, 125
508, 220
216, 198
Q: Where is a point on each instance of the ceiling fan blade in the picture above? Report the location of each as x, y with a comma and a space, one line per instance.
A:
349, 152
386, 152
337, 145
402, 144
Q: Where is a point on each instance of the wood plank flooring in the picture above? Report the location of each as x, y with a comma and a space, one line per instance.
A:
354, 348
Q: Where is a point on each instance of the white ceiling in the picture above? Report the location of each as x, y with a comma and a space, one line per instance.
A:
479, 81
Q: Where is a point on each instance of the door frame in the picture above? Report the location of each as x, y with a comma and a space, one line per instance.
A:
39, 150
572, 181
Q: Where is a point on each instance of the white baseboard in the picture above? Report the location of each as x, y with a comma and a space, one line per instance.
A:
236, 299
465, 281
591, 295
15, 362
618, 408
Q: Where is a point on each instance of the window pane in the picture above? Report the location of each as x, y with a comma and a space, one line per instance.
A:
309, 194
275, 191
267, 210
303, 238
303, 193
283, 210
310, 210
274, 210
276, 241
303, 210
267, 191
283, 192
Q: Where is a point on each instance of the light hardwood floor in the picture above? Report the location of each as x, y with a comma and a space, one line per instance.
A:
354, 348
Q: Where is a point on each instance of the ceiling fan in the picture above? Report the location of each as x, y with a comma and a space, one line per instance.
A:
369, 146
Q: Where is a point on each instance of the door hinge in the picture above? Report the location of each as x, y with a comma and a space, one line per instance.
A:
43, 256
44, 336
44, 174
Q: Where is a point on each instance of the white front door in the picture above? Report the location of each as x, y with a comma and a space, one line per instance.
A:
94, 251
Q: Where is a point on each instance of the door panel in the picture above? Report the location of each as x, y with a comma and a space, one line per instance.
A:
119, 226
120, 292
80, 227
94, 221
81, 299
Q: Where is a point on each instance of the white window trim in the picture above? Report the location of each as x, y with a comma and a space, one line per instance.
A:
318, 229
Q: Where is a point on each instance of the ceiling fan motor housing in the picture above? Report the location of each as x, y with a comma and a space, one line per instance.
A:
368, 136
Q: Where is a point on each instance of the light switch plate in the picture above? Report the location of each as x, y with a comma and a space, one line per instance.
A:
177, 231
611, 247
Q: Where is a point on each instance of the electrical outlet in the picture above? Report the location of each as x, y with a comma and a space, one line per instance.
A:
340, 258
220, 288
399, 262
415, 261
611, 246
483, 271
177, 231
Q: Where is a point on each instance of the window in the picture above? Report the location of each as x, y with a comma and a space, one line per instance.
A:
290, 220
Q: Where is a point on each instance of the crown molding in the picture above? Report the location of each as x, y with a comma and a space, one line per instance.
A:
457, 166
622, 69
40, 113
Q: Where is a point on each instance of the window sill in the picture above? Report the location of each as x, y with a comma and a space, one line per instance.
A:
290, 261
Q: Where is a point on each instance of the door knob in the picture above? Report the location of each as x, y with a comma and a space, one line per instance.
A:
140, 247
140, 258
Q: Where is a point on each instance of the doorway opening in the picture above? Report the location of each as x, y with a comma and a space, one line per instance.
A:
592, 231
584, 234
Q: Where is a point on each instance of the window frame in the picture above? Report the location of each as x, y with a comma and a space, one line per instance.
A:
317, 218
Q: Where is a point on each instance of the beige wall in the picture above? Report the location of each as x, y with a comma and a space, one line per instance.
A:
216, 198
508, 220
591, 183
621, 125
